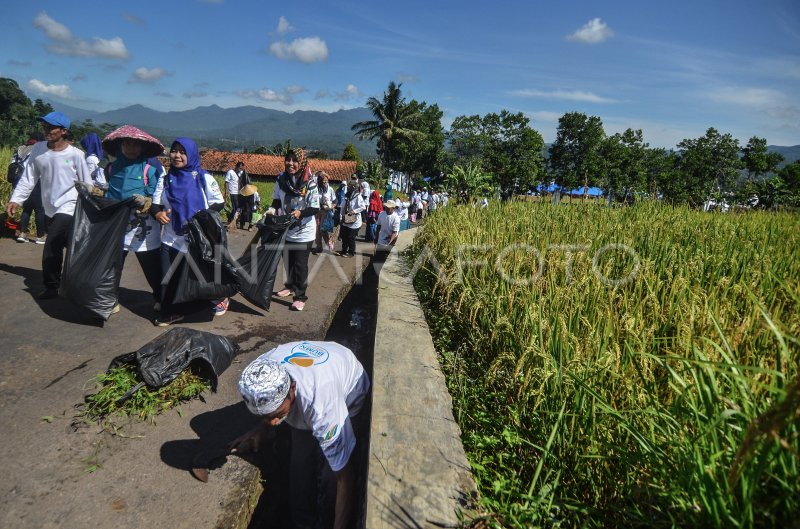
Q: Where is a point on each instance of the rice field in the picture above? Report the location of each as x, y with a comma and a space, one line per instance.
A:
621, 367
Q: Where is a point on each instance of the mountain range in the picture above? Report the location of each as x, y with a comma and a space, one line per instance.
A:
241, 128
248, 127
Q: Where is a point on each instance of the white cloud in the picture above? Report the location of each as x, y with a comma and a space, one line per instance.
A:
296, 89
307, 50
15, 62
284, 26
54, 30
546, 116
269, 95
350, 92
593, 32
322, 94
195, 94
566, 95
57, 90
748, 97
133, 19
63, 43
147, 75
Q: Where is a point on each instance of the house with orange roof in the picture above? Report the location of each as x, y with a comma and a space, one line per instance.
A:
268, 167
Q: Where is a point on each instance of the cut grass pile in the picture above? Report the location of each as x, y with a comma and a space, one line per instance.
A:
145, 403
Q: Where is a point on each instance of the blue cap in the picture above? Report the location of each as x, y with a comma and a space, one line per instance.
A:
56, 118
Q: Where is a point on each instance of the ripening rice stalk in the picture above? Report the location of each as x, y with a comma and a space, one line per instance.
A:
607, 363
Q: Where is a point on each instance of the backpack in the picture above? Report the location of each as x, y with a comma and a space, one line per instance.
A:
15, 170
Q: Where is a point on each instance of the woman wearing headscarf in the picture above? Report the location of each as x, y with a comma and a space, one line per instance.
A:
327, 203
94, 153
375, 209
130, 175
185, 190
296, 194
351, 208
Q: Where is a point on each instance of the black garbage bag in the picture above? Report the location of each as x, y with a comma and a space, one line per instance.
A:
93, 265
208, 270
161, 360
258, 265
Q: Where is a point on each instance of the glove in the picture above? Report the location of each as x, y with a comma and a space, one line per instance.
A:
270, 212
142, 204
97, 191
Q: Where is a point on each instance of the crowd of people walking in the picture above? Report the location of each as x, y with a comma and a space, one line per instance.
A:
125, 165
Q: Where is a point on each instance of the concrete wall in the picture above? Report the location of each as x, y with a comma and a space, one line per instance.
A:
418, 473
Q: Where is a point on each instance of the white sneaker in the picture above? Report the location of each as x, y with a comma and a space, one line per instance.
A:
39, 240
22, 238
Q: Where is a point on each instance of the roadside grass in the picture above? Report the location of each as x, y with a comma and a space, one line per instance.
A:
670, 400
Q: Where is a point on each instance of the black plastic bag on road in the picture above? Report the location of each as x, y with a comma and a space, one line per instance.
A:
258, 265
161, 360
93, 265
208, 271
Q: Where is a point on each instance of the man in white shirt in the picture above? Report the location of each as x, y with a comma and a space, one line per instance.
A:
318, 388
232, 189
57, 165
388, 227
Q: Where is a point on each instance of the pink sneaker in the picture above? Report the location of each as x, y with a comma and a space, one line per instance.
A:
221, 307
285, 293
298, 305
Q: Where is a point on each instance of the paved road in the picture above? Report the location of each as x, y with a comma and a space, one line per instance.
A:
50, 352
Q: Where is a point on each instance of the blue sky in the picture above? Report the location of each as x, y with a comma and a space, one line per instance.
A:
672, 69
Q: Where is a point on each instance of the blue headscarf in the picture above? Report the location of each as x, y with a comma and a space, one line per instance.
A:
91, 144
185, 187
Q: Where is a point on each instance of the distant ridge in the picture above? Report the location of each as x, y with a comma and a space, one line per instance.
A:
240, 127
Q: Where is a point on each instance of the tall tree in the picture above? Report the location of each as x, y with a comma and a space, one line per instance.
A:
624, 162
757, 160
661, 174
575, 156
17, 114
423, 153
504, 145
709, 165
394, 122
350, 153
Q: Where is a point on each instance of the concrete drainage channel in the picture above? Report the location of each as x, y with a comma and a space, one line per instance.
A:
412, 468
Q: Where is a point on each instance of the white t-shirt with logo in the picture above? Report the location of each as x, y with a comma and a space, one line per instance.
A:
387, 224
307, 230
330, 388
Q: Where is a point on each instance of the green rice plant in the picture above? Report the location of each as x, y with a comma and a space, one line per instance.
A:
621, 367
113, 388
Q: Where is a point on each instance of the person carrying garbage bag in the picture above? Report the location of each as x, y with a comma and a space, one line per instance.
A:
184, 191
130, 175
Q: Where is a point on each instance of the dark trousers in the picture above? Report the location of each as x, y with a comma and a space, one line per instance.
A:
246, 205
33, 205
234, 207
168, 286
150, 261
295, 257
349, 240
53, 254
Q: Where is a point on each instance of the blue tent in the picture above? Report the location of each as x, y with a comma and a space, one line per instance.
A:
552, 188
592, 192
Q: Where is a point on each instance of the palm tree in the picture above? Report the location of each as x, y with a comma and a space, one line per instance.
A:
394, 122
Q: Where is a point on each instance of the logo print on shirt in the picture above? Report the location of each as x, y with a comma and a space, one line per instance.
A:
306, 355
329, 435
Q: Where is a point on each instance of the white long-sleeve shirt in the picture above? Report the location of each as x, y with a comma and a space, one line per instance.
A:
58, 171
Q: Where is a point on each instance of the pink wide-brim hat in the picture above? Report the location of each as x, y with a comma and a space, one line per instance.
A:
151, 146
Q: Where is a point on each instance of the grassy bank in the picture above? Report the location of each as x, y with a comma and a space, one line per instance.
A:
621, 367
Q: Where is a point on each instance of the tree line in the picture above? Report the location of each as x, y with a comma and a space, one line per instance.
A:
501, 152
